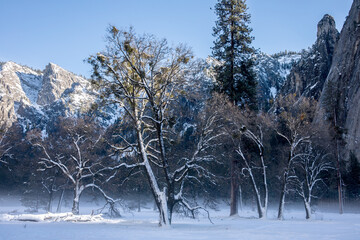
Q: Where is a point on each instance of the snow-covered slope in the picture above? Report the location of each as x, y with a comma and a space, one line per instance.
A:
19, 85
272, 71
34, 97
55, 81
20, 82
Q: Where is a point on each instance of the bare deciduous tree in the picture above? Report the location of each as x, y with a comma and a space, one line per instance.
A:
294, 127
73, 153
143, 76
309, 173
261, 202
246, 123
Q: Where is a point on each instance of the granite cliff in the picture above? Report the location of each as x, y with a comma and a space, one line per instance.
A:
340, 98
308, 76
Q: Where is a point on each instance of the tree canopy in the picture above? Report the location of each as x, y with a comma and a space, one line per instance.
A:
232, 48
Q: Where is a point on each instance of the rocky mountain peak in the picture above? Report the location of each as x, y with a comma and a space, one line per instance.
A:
26, 93
307, 77
326, 26
7, 65
53, 68
14, 67
18, 85
55, 81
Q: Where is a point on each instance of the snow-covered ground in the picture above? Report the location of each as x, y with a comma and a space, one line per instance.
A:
15, 225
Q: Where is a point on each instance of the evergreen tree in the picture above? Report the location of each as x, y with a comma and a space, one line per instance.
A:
232, 48
234, 75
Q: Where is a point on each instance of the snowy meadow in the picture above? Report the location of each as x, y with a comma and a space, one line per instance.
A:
17, 224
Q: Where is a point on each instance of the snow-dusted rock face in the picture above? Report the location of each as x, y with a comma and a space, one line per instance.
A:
19, 85
272, 71
34, 97
19, 82
341, 93
307, 77
55, 81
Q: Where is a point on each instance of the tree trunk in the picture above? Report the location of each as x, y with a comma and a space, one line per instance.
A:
234, 189
340, 191
48, 208
58, 209
164, 211
234, 176
51, 193
240, 198
307, 209
159, 196
75, 207
139, 203
284, 186
282, 199
260, 208
266, 189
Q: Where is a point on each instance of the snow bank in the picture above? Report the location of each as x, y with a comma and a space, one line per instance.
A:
324, 225
55, 217
334, 226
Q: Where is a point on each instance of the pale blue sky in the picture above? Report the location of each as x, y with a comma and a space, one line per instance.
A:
65, 32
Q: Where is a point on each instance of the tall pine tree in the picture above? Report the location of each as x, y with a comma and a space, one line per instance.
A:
235, 76
232, 48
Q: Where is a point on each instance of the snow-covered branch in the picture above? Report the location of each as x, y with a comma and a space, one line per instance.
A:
309, 174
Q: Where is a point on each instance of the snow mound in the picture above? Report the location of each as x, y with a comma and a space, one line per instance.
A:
54, 217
